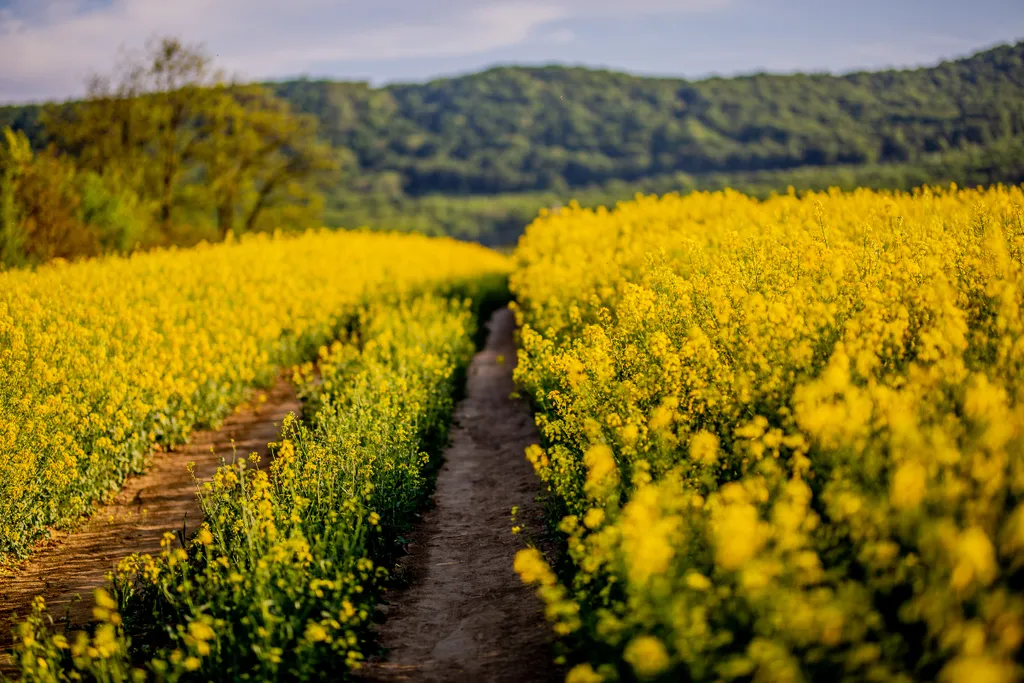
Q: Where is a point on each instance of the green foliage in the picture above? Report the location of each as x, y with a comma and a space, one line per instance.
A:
256, 156
517, 129
118, 215
13, 155
24, 118
51, 209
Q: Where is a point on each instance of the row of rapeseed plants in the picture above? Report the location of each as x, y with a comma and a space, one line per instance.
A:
282, 579
102, 361
784, 440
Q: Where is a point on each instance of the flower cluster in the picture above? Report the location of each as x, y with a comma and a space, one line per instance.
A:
101, 361
785, 439
45, 655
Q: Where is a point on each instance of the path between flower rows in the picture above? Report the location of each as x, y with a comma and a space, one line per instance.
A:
465, 615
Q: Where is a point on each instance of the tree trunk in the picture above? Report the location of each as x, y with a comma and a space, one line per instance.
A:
226, 215
172, 161
165, 201
261, 198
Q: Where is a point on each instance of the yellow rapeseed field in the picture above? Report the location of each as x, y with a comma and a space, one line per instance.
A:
101, 360
786, 438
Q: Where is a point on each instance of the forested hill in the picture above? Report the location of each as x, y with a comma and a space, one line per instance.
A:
516, 128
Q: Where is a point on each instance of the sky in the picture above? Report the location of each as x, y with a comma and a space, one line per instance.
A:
49, 48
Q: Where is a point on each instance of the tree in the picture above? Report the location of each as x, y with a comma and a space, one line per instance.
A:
141, 122
167, 124
39, 206
258, 155
181, 96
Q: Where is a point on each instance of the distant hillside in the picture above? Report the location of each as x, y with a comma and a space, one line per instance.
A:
24, 118
518, 129
498, 220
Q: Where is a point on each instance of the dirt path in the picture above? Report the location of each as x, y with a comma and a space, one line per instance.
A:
465, 615
135, 521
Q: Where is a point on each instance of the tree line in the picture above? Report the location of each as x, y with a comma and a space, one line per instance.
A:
515, 129
498, 220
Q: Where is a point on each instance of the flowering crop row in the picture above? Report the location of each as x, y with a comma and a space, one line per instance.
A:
281, 580
785, 439
102, 360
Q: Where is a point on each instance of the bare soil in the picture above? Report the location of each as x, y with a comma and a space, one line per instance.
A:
74, 564
464, 615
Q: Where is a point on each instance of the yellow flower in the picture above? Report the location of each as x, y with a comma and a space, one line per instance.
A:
697, 581
738, 535
909, 485
104, 600
857, 353
600, 465
593, 518
647, 536
975, 559
704, 447
629, 434
648, 656
583, 673
531, 567
200, 630
204, 536
315, 633
980, 669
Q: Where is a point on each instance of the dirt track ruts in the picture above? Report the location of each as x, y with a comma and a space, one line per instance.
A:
148, 505
465, 615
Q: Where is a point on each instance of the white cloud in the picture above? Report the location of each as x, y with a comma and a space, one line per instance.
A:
49, 47
559, 36
917, 48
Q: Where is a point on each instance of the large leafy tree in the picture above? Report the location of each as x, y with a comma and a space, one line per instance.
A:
258, 155
167, 124
141, 123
